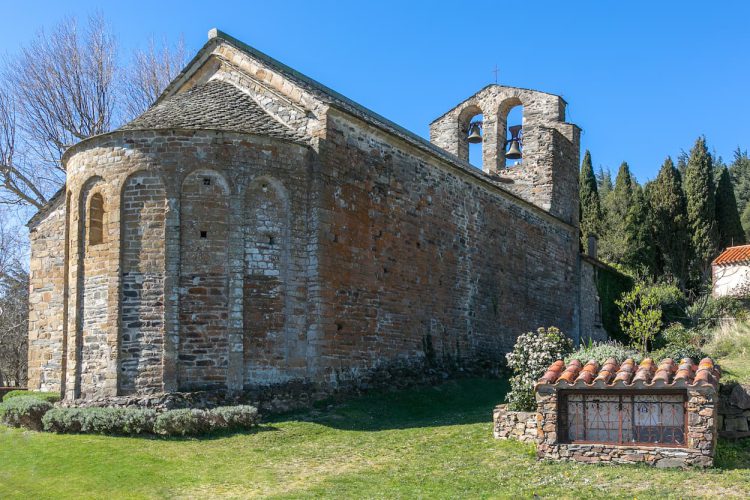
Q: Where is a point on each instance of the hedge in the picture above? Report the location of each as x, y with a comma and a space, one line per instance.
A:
51, 397
24, 411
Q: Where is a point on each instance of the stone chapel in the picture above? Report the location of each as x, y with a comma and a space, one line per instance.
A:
254, 228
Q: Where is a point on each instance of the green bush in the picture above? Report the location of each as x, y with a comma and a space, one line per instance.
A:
236, 417
187, 422
530, 358
732, 340
108, 421
602, 351
677, 352
51, 397
24, 411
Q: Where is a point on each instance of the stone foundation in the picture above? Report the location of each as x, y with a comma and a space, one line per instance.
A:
519, 425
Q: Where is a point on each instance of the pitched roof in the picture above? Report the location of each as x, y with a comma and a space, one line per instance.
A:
214, 105
667, 374
734, 255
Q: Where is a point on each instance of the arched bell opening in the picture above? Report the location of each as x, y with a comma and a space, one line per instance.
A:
471, 135
511, 121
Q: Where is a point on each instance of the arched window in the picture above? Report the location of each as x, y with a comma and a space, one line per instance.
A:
475, 138
96, 219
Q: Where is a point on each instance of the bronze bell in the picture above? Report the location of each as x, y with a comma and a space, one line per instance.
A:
474, 136
514, 152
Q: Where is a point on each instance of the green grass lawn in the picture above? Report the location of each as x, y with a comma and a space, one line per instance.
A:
425, 443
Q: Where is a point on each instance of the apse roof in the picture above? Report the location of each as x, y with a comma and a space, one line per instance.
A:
214, 105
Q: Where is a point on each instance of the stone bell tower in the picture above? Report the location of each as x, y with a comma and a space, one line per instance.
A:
547, 173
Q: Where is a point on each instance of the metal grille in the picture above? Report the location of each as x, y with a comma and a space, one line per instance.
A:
629, 418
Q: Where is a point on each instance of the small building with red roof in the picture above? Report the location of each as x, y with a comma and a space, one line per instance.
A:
731, 272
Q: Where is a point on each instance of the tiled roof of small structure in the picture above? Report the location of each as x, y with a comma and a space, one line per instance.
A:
214, 105
648, 374
734, 255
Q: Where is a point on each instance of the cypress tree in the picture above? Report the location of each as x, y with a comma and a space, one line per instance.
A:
591, 212
740, 173
727, 214
701, 208
625, 239
604, 183
669, 223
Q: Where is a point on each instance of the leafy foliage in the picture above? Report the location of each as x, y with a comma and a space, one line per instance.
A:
531, 356
641, 311
601, 351
24, 411
51, 397
109, 421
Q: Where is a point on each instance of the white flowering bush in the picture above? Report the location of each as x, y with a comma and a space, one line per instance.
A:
530, 358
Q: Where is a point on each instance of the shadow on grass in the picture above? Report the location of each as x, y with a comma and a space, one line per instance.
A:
455, 402
732, 454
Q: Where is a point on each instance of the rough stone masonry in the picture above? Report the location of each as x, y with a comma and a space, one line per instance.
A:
254, 228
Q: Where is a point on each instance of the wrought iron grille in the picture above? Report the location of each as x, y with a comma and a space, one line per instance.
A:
645, 418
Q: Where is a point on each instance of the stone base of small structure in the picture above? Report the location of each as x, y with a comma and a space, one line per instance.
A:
519, 425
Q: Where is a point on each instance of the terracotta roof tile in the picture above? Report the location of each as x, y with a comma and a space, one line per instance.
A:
733, 255
648, 374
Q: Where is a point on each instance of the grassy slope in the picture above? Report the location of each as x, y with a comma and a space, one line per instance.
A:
434, 442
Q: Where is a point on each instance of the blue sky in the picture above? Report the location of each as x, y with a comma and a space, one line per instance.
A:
642, 79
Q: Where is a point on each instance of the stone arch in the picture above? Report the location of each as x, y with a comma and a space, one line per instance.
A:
203, 350
142, 296
92, 351
464, 118
265, 280
503, 110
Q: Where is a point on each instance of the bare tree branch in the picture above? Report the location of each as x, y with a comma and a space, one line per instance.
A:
149, 74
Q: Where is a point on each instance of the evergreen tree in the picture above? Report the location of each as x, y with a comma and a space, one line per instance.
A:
591, 212
625, 239
739, 170
669, 223
604, 183
727, 215
701, 208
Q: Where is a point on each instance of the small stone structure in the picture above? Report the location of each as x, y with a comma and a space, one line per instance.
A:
623, 413
518, 425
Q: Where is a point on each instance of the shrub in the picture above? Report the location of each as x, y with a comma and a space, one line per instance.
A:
601, 351
110, 421
677, 352
51, 397
24, 411
530, 358
236, 417
186, 422
641, 311
730, 340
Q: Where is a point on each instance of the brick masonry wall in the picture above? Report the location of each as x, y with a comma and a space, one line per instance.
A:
414, 253
518, 425
590, 313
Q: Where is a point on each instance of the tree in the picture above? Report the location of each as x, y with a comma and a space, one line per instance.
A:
65, 86
604, 183
701, 208
669, 223
591, 212
150, 73
727, 215
641, 310
14, 290
739, 170
625, 238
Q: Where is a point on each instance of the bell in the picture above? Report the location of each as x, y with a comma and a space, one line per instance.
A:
514, 152
474, 136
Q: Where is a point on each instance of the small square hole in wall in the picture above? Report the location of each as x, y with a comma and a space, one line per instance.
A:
204, 234
271, 239
206, 181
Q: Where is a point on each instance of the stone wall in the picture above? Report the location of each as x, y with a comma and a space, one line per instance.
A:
47, 300
518, 425
734, 411
591, 327
422, 259
702, 409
